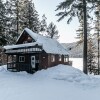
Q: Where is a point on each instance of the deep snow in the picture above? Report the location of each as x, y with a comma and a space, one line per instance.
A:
57, 83
77, 63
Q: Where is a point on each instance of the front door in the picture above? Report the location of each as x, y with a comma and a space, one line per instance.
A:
33, 61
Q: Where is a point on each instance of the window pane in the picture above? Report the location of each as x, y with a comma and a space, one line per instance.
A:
59, 57
52, 58
21, 59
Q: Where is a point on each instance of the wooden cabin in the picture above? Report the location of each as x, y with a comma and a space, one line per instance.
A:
34, 52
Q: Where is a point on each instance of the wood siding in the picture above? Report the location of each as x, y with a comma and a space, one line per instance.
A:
56, 62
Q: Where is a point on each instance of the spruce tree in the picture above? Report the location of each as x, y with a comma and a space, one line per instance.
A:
12, 21
20, 14
43, 24
52, 31
30, 16
91, 55
97, 31
79, 33
3, 40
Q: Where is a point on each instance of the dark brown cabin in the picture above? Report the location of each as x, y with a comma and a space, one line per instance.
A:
34, 52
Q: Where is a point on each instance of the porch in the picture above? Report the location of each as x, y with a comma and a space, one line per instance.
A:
13, 66
20, 58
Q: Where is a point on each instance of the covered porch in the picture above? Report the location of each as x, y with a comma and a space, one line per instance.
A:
23, 58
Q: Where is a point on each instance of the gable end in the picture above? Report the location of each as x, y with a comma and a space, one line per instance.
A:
25, 38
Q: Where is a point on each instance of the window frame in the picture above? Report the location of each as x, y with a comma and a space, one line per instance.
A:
60, 58
52, 58
21, 58
66, 58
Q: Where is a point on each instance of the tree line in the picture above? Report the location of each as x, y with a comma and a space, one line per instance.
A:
15, 15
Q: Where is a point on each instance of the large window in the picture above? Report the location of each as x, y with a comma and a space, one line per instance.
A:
52, 58
60, 57
66, 58
21, 59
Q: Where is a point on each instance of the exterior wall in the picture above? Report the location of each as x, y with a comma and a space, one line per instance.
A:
43, 61
28, 60
56, 62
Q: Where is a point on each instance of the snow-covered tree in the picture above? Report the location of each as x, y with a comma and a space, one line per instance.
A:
43, 24
52, 31
12, 21
97, 31
79, 33
20, 14
30, 16
3, 40
91, 64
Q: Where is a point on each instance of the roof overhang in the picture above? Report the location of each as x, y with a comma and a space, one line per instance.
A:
23, 48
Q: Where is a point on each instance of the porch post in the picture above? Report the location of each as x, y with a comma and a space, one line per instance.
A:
7, 62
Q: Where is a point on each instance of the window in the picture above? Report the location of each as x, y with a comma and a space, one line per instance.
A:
24, 42
66, 58
21, 59
52, 58
60, 57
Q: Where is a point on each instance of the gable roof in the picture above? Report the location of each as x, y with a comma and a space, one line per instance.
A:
49, 45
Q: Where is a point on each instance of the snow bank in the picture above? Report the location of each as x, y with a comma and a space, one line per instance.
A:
61, 82
62, 72
3, 68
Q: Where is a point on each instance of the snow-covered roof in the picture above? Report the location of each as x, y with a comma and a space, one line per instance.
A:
21, 45
49, 45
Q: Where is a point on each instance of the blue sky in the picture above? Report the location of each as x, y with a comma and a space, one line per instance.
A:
67, 32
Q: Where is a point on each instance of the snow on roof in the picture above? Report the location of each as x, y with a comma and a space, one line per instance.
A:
49, 45
21, 45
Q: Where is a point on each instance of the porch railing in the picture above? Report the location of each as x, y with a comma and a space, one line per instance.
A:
13, 66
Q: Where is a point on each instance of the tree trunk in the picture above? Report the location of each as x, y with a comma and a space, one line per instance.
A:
85, 38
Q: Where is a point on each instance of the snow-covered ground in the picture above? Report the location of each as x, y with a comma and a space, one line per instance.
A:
57, 83
77, 63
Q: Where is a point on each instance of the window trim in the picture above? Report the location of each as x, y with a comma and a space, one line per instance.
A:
21, 58
52, 58
66, 58
60, 58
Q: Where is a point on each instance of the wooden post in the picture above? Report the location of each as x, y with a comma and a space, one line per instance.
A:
7, 62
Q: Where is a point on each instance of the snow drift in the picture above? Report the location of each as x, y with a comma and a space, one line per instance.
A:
63, 72
57, 83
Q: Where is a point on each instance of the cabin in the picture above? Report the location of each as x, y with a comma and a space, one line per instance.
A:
33, 52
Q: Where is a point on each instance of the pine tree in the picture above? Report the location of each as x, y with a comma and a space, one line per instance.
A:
91, 55
30, 16
20, 14
43, 24
79, 33
3, 40
12, 24
90, 46
97, 30
52, 32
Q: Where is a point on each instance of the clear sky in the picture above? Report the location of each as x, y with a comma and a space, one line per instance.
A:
67, 32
